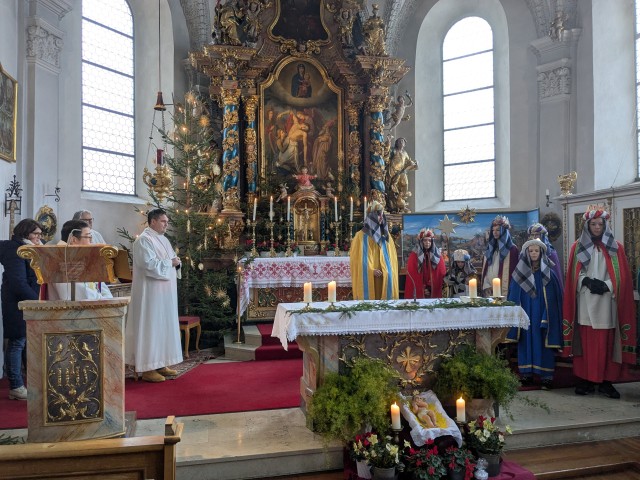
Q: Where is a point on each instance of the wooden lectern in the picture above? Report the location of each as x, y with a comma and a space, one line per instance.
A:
75, 349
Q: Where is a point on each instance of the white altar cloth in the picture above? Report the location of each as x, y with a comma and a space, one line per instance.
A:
293, 272
287, 327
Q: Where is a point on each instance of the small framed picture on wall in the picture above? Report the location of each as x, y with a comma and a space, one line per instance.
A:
8, 115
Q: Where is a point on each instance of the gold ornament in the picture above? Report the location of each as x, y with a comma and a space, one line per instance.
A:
467, 215
446, 226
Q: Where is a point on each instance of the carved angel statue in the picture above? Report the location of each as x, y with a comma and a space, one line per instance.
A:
397, 182
252, 24
226, 23
283, 192
567, 182
395, 114
345, 18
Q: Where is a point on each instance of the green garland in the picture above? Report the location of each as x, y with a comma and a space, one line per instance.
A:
350, 310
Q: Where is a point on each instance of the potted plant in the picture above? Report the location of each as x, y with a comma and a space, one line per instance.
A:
345, 403
424, 463
476, 375
486, 438
360, 451
384, 457
460, 462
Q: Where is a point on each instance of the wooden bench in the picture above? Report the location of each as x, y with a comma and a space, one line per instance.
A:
136, 458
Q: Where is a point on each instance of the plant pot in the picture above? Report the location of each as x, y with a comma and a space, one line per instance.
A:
455, 474
479, 406
493, 459
280, 254
363, 469
384, 473
265, 254
331, 253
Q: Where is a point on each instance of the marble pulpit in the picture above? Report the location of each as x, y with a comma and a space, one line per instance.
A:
75, 349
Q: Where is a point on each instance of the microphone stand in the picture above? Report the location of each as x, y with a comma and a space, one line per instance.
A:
415, 291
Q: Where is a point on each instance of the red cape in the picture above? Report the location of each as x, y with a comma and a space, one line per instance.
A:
618, 269
422, 278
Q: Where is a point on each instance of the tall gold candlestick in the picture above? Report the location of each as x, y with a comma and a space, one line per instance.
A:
254, 251
289, 252
272, 251
336, 226
351, 225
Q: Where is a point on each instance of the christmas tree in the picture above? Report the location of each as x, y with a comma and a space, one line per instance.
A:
186, 183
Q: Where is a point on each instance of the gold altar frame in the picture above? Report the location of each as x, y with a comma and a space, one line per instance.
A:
319, 102
8, 115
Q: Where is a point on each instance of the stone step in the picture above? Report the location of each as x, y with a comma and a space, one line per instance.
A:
242, 352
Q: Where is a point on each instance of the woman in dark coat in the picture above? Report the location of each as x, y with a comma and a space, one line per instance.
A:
18, 283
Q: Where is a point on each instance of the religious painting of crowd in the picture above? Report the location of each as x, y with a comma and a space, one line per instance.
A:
471, 236
300, 126
300, 20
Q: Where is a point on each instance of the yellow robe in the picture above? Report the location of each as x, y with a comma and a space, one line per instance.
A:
367, 256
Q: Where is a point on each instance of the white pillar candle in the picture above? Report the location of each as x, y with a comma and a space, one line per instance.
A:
288, 209
460, 410
331, 291
496, 287
365, 207
335, 207
351, 209
307, 292
395, 417
271, 208
546, 192
473, 288
255, 207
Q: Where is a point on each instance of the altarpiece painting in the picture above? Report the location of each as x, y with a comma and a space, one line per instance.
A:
8, 115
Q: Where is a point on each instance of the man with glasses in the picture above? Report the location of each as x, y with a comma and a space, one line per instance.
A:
599, 310
86, 216
77, 232
152, 336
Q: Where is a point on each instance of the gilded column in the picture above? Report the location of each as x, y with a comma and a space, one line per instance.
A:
251, 142
379, 149
355, 144
230, 151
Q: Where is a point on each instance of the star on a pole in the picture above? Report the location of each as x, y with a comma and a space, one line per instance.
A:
446, 226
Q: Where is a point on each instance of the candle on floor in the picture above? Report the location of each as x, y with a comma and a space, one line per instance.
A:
395, 417
496, 287
307, 292
473, 288
331, 290
460, 411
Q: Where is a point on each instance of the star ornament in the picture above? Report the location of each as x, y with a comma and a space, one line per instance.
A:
446, 226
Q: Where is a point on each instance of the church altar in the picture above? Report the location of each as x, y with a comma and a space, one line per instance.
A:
412, 341
292, 273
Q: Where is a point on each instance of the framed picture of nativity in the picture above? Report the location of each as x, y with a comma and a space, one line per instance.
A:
471, 236
301, 124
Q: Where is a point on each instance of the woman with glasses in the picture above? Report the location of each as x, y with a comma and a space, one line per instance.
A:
18, 283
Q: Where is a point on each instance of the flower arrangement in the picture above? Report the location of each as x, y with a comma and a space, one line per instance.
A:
383, 452
457, 459
263, 246
424, 463
484, 436
361, 447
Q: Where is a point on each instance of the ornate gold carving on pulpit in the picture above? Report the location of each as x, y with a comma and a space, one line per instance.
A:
73, 377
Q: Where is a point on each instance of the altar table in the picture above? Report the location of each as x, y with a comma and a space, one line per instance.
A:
293, 272
412, 341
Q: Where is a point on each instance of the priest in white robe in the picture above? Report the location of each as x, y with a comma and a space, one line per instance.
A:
152, 334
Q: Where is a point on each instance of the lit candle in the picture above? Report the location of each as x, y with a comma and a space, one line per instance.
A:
395, 417
288, 209
271, 208
546, 192
496, 287
473, 288
160, 157
307, 292
365, 207
331, 290
255, 207
351, 209
335, 206
460, 413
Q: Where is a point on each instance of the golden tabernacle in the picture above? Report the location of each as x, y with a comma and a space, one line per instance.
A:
75, 367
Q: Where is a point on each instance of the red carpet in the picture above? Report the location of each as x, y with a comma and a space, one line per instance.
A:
207, 389
271, 348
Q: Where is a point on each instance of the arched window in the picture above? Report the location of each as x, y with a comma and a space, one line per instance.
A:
108, 156
468, 111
